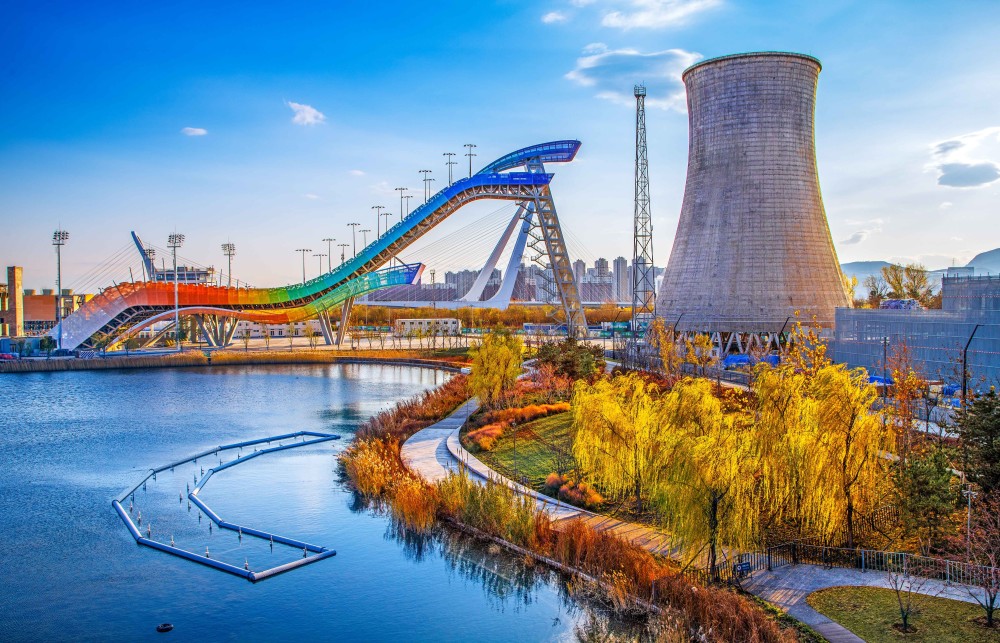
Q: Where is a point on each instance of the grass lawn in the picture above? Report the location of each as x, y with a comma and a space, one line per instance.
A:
870, 612
541, 446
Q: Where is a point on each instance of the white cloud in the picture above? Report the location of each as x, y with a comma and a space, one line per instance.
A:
194, 131
311, 196
554, 17
356, 173
613, 73
305, 114
946, 205
657, 14
968, 161
868, 228
581, 3
382, 187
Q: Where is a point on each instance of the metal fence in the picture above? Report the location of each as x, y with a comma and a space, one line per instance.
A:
941, 569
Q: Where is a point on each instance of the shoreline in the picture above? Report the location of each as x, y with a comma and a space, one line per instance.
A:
221, 358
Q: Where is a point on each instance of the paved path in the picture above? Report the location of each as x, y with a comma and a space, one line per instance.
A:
787, 588
435, 451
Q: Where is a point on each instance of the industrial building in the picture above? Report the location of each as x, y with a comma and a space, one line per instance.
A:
27, 313
968, 325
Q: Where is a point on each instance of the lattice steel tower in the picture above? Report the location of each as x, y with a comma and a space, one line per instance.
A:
643, 277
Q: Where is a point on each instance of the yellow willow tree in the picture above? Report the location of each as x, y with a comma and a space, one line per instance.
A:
698, 352
708, 494
784, 431
846, 467
619, 441
666, 345
496, 364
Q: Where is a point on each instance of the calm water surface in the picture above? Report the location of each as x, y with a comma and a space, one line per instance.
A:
71, 442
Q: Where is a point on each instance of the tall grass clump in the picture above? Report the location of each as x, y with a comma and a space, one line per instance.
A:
495, 509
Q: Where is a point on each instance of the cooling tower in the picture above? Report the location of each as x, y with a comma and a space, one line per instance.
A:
752, 243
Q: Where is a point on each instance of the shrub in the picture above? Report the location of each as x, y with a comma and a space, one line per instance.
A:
418, 412
580, 494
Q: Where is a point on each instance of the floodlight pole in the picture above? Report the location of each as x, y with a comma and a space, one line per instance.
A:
354, 236
449, 163
59, 238
174, 242
378, 220
426, 184
229, 250
320, 257
470, 154
303, 251
401, 191
342, 246
329, 253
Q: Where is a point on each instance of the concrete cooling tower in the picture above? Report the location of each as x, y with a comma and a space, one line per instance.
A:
752, 244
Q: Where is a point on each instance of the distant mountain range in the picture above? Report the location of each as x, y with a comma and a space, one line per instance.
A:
984, 262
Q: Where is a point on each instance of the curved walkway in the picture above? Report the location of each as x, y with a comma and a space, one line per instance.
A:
436, 450
788, 587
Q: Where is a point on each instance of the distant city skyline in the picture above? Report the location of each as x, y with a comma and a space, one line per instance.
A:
273, 129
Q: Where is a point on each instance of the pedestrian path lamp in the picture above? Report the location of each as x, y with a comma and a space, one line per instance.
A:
174, 242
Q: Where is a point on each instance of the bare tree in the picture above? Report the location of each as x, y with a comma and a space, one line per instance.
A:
910, 584
984, 550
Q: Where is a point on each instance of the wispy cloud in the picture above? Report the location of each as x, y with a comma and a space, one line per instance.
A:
613, 72
311, 196
657, 14
968, 161
193, 131
357, 173
305, 114
868, 228
553, 17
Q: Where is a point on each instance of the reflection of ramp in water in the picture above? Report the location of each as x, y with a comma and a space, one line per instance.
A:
318, 553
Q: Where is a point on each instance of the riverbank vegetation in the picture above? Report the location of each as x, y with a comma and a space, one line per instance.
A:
626, 576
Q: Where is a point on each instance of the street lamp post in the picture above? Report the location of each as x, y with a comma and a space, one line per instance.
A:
329, 253
229, 249
303, 251
970, 495
408, 197
387, 215
320, 257
378, 219
342, 246
965, 365
174, 242
449, 163
401, 191
59, 238
364, 237
470, 154
354, 236
426, 184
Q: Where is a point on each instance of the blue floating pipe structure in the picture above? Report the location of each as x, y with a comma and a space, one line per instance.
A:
319, 553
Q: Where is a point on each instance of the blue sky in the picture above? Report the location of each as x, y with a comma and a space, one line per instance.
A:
301, 117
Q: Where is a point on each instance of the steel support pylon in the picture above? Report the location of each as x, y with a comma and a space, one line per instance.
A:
643, 275
555, 245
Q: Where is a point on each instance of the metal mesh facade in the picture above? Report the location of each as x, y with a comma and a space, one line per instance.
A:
752, 244
935, 338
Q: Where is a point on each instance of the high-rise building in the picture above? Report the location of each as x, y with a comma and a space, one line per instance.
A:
579, 271
601, 267
620, 268
752, 245
12, 305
